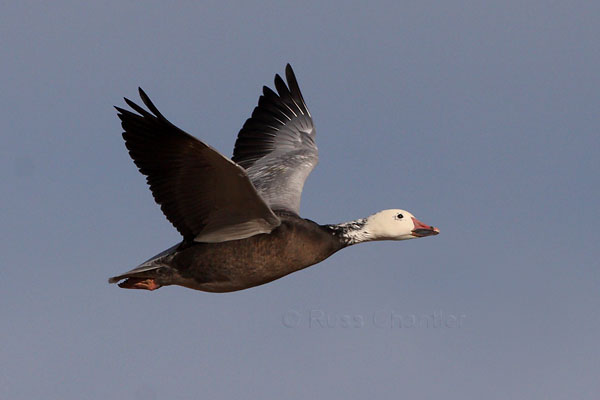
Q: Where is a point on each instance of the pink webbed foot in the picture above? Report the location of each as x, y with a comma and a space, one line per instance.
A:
139, 283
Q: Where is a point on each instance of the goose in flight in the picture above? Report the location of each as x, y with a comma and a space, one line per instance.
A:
239, 217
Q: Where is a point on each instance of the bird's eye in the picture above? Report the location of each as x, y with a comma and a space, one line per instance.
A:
399, 216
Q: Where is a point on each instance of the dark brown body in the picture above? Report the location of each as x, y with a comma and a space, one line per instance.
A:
239, 264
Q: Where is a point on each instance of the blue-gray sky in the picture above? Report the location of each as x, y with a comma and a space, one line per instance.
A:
480, 118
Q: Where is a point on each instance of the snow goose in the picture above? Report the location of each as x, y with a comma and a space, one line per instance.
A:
239, 217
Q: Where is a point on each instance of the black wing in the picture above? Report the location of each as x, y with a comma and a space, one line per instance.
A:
206, 196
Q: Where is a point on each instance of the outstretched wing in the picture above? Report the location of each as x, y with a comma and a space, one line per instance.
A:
276, 145
206, 196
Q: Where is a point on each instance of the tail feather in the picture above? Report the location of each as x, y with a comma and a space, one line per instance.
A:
146, 271
143, 271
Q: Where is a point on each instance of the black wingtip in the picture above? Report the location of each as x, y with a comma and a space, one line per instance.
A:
136, 108
121, 112
281, 87
268, 92
141, 92
144, 97
129, 102
289, 69
149, 104
291, 79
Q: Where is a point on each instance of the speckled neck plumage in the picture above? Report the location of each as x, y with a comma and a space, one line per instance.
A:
351, 232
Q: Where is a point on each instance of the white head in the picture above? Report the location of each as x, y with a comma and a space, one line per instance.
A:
396, 225
385, 225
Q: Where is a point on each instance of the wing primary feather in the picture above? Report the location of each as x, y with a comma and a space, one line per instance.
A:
150, 105
276, 144
295, 88
137, 108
